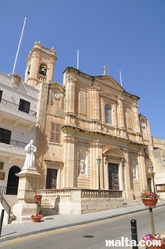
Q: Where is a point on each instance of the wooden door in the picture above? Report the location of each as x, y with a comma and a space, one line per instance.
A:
113, 176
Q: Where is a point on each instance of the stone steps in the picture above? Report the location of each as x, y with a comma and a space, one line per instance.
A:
47, 208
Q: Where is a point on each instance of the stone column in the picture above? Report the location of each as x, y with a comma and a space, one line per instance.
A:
96, 151
93, 178
68, 172
94, 103
120, 113
128, 190
114, 115
70, 94
106, 174
121, 177
135, 117
33, 76
142, 169
25, 207
50, 70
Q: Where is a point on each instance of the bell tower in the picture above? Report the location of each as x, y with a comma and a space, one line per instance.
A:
40, 65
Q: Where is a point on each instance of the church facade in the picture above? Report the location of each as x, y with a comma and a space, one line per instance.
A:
89, 133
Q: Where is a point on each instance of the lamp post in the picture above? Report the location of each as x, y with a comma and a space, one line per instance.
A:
98, 163
153, 182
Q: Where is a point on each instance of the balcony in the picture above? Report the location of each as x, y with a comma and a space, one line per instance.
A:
13, 149
11, 111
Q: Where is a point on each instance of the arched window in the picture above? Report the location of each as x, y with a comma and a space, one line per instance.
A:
43, 69
108, 114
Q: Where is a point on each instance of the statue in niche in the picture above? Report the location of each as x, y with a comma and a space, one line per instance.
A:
30, 157
134, 172
82, 167
43, 69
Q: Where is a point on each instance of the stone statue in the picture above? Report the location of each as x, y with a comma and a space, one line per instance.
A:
30, 157
82, 171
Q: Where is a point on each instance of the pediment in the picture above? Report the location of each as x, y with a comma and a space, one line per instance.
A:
110, 81
109, 95
113, 152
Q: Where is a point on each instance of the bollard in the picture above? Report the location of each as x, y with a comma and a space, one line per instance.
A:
152, 221
134, 233
1, 220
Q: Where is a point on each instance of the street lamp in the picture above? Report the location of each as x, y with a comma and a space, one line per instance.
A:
152, 171
98, 163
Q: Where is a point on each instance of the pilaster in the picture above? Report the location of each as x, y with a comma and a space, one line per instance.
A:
70, 94
94, 103
142, 169
128, 190
136, 117
95, 152
120, 113
68, 172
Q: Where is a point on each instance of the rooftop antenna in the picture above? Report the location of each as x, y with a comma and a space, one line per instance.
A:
120, 78
19, 44
78, 55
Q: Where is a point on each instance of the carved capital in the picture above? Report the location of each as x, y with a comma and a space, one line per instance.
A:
96, 143
94, 88
69, 139
120, 99
70, 78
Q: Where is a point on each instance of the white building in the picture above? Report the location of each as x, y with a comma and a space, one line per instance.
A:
18, 119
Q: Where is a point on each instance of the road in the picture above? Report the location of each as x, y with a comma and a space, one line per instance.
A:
92, 235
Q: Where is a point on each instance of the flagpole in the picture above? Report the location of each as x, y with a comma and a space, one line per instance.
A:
120, 78
78, 55
19, 44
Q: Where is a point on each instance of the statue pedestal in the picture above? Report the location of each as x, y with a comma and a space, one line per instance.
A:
25, 207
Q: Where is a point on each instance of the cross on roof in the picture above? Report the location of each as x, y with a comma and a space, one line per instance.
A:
105, 69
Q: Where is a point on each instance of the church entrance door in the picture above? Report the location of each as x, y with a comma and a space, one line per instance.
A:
113, 176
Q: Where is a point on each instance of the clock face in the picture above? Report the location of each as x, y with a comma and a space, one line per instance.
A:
56, 94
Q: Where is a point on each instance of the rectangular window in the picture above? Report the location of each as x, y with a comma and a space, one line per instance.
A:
1, 95
108, 114
24, 106
5, 136
55, 132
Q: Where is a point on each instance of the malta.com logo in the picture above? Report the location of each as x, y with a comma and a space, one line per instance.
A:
125, 242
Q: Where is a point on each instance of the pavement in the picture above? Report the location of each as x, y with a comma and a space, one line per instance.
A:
54, 222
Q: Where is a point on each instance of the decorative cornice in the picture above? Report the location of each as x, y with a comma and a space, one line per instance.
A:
67, 126
53, 163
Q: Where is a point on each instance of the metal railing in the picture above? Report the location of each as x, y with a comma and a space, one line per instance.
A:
13, 142
11, 105
7, 208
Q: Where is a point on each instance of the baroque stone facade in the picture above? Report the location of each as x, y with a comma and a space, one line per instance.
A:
85, 118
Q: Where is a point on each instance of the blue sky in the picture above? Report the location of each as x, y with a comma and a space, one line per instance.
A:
124, 35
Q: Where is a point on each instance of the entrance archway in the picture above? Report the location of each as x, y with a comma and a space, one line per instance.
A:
12, 182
